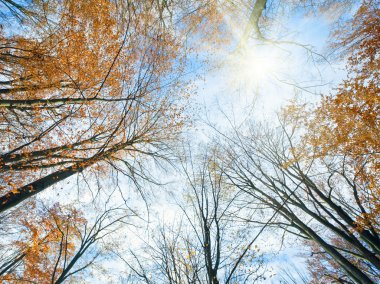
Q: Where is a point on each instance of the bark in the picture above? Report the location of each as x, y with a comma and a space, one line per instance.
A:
253, 24
15, 197
22, 104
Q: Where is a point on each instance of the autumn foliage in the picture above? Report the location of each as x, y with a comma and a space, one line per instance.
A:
343, 132
47, 241
99, 89
100, 85
347, 124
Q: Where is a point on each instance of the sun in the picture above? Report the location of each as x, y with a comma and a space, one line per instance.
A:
253, 67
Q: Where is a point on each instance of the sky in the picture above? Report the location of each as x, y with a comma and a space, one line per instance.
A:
255, 84
270, 75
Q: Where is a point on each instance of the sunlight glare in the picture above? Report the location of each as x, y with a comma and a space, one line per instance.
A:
252, 68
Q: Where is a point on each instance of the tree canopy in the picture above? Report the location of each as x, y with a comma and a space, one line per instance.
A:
116, 168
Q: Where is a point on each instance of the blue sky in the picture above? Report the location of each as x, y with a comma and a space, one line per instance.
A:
292, 71
254, 84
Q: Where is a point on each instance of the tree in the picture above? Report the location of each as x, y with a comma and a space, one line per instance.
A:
323, 268
98, 87
20, 10
261, 13
344, 128
313, 199
228, 256
59, 244
93, 86
347, 122
208, 245
88, 92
